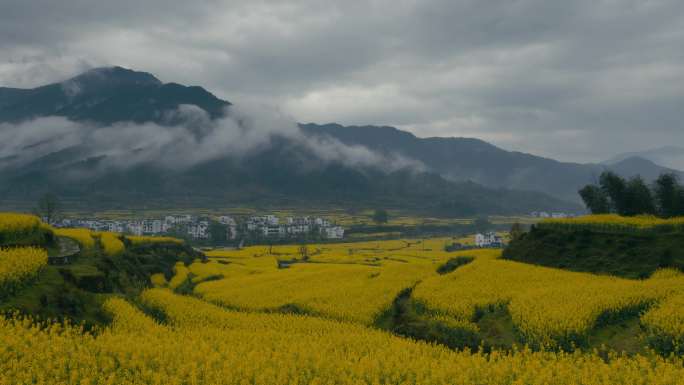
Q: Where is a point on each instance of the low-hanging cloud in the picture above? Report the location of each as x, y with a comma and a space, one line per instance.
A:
190, 137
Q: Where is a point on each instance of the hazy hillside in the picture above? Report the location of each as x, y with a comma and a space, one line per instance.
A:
481, 162
668, 156
114, 136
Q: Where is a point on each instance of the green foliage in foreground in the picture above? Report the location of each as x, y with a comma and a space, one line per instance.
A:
625, 254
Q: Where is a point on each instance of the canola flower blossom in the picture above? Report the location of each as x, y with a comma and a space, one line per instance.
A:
110, 242
18, 265
17, 223
204, 344
549, 307
137, 240
613, 222
665, 325
181, 275
83, 236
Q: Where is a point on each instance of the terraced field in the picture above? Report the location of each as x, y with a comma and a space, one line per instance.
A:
340, 314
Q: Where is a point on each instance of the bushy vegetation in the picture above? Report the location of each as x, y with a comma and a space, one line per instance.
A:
453, 263
632, 197
632, 247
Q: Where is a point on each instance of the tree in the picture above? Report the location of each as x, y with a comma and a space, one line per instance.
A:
380, 216
638, 199
304, 252
668, 193
614, 187
516, 231
218, 232
49, 208
595, 199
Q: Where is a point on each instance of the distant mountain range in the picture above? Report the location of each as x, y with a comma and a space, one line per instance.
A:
481, 162
668, 156
114, 107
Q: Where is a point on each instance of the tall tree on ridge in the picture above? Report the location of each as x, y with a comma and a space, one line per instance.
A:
615, 188
638, 198
595, 199
48, 208
668, 195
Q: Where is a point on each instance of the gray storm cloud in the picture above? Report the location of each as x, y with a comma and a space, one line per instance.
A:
194, 138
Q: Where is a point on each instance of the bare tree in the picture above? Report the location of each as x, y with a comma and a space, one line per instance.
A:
49, 208
304, 252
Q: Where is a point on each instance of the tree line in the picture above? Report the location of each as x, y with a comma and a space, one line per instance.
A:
630, 197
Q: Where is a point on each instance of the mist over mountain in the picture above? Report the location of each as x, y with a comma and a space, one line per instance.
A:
472, 159
113, 136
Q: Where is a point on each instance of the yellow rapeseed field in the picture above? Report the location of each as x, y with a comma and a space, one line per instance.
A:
158, 280
549, 306
83, 236
608, 221
142, 239
181, 275
203, 344
110, 242
18, 265
342, 288
665, 325
17, 223
346, 281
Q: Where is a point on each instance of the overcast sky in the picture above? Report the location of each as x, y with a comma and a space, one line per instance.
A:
573, 80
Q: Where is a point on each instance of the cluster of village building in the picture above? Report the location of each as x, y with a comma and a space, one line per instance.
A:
270, 226
544, 214
488, 240
266, 226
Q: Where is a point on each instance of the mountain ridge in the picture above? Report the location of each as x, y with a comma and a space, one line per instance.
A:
105, 95
288, 169
481, 162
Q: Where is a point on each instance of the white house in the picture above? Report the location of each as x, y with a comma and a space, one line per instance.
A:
116, 227
258, 222
297, 229
231, 232
153, 226
199, 230
489, 239
226, 220
135, 228
334, 232
274, 231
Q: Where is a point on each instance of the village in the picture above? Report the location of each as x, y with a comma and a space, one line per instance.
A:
222, 227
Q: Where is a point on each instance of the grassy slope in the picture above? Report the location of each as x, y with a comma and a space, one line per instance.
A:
76, 291
625, 255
